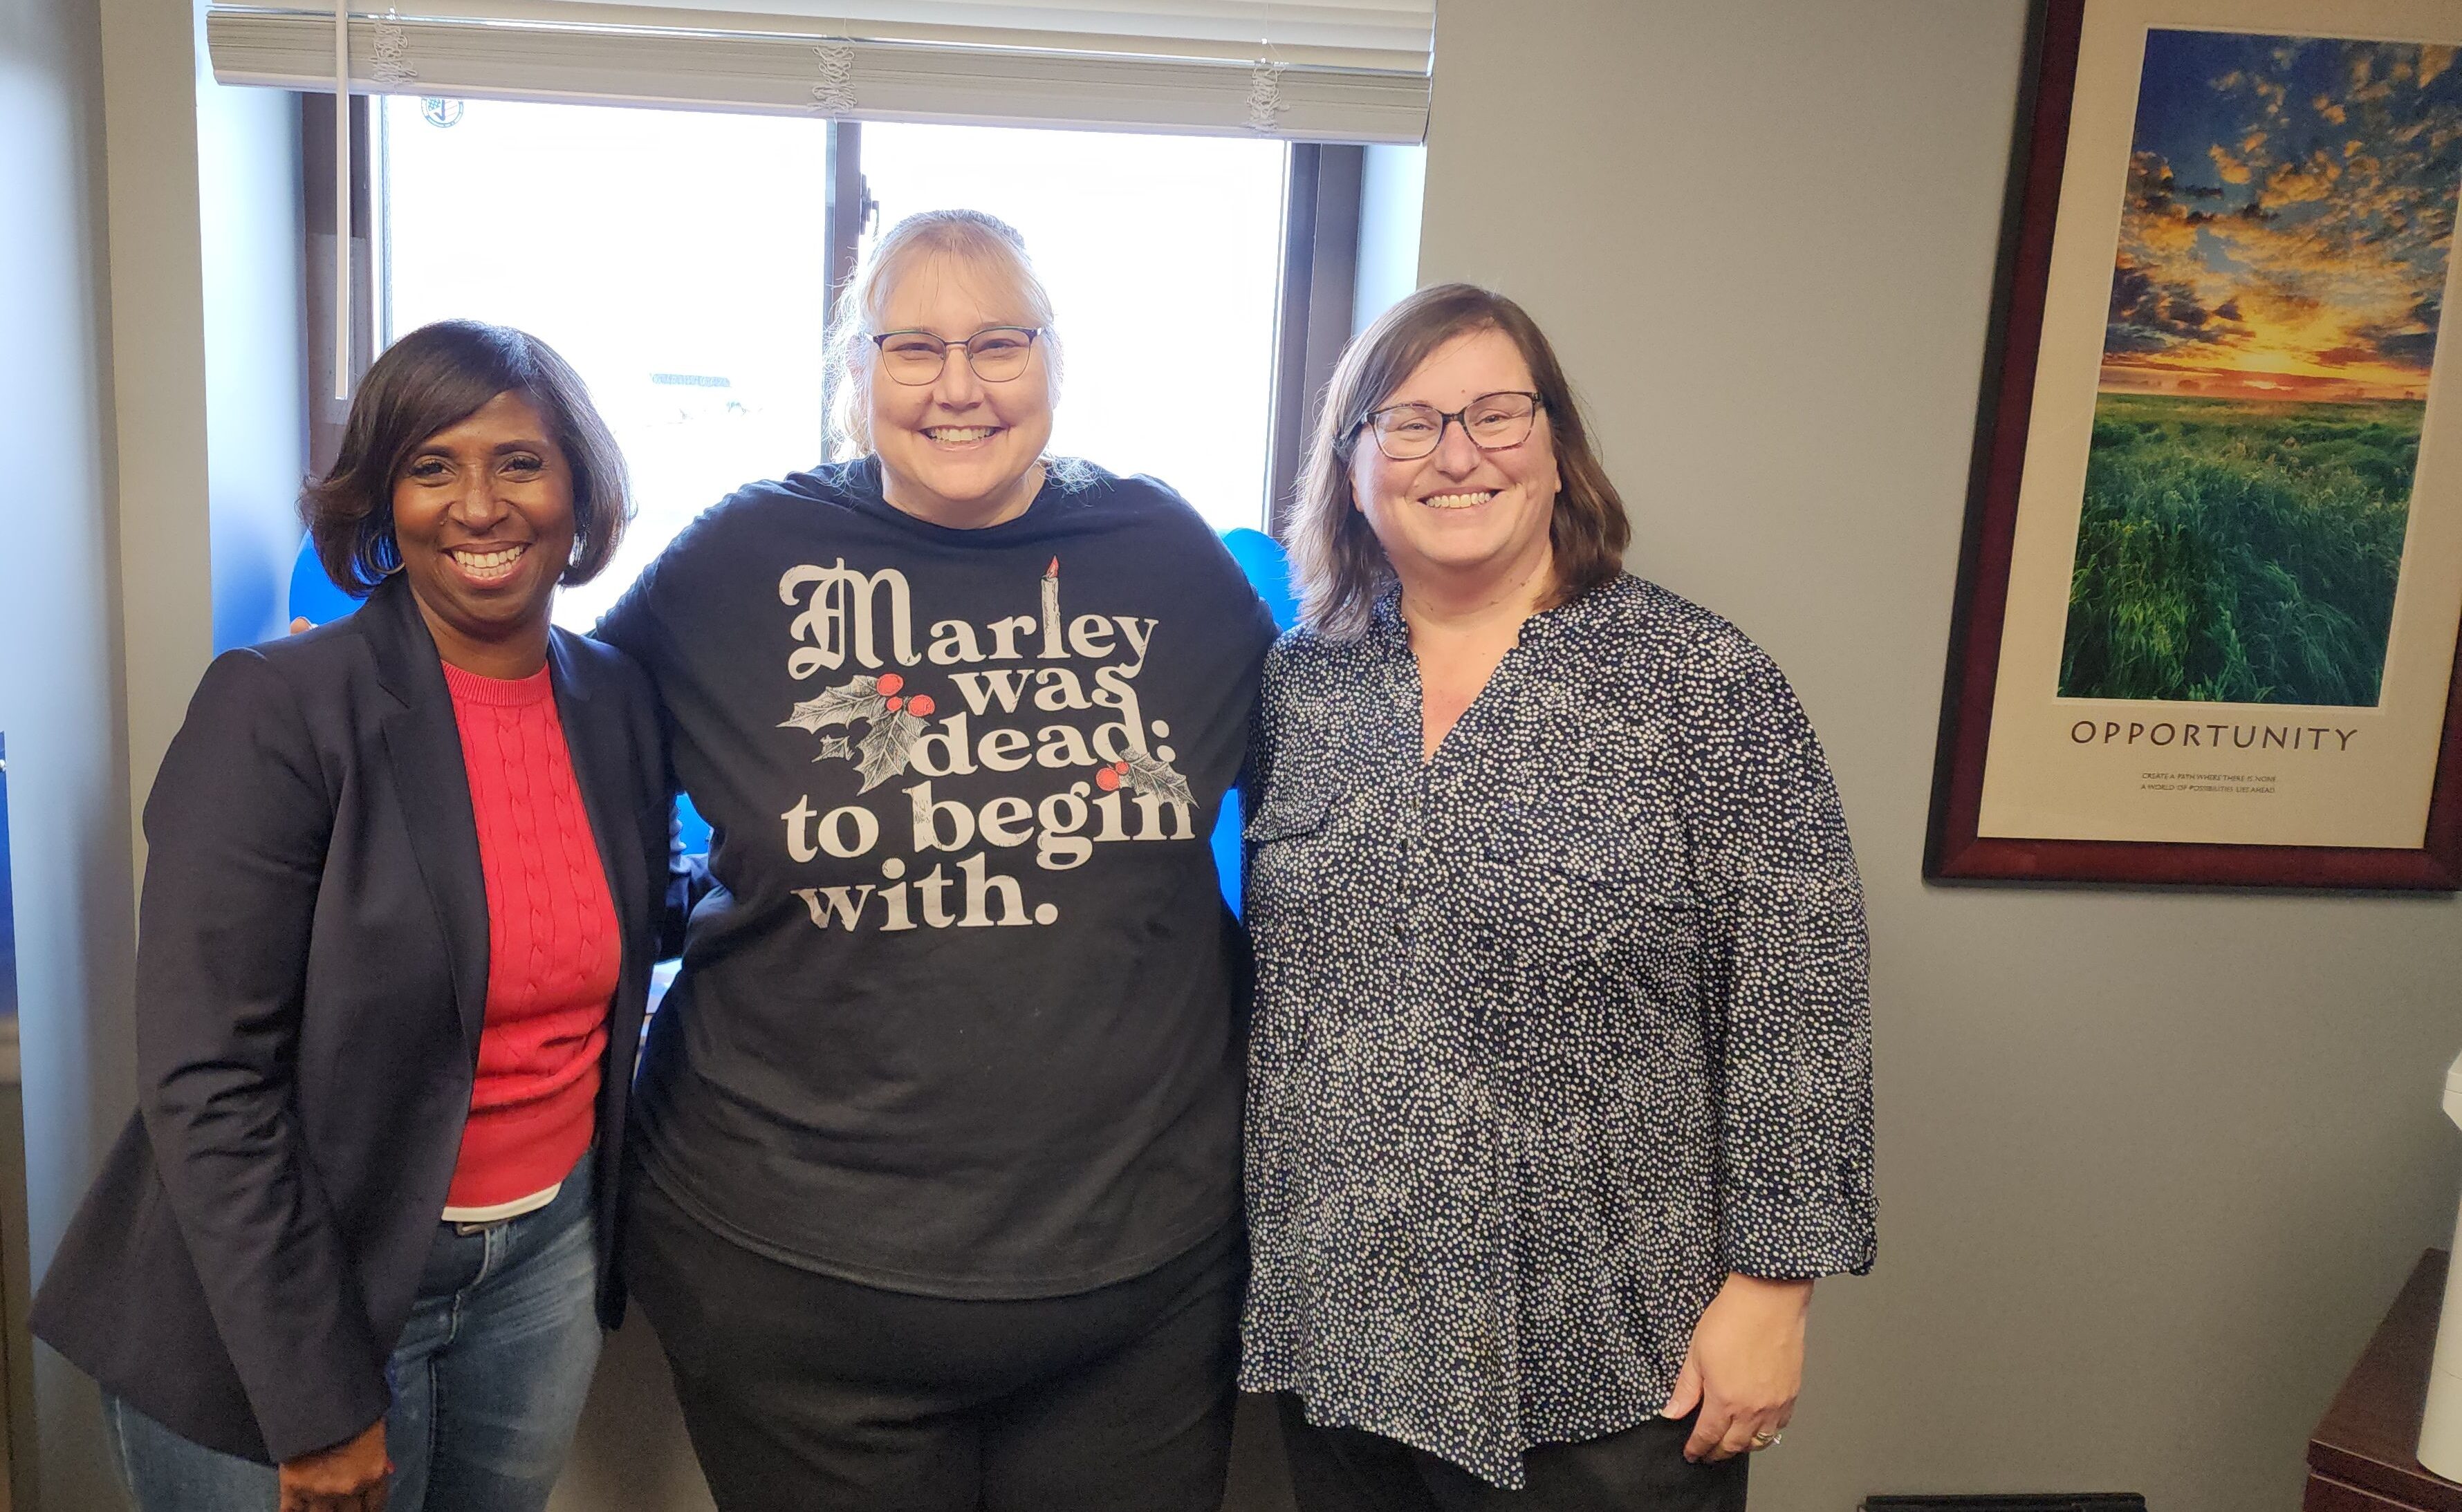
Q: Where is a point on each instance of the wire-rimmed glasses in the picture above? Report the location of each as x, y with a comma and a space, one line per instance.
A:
1493, 421
997, 353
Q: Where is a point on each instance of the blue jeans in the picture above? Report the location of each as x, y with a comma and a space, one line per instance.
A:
489, 1380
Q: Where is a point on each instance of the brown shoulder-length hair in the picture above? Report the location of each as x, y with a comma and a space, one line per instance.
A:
432, 379
1336, 564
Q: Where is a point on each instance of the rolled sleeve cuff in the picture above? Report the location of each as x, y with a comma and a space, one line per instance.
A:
305, 1421
1795, 1237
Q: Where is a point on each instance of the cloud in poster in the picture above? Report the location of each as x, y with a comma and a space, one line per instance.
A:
2289, 216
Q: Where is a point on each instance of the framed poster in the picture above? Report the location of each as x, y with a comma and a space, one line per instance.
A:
2208, 607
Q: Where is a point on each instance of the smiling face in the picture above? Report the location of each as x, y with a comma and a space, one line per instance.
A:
483, 515
958, 451
1462, 520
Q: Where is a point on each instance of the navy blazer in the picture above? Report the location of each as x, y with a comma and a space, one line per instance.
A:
311, 972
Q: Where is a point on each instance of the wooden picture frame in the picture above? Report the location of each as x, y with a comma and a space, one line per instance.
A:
2285, 808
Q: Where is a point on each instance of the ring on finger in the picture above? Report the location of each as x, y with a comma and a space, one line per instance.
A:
1768, 1440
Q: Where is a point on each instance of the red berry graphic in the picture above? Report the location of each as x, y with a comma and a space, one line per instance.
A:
889, 682
895, 704
1121, 767
919, 705
1108, 780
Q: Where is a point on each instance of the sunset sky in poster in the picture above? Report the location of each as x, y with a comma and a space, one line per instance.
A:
2290, 215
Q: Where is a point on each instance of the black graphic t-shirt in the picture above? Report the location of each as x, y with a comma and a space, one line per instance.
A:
959, 1018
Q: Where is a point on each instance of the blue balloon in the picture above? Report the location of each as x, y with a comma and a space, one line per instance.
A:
313, 598
1269, 571
1268, 567
694, 831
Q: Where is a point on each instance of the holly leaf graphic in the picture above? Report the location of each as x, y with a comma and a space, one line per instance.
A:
887, 747
835, 746
856, 698
1148, 774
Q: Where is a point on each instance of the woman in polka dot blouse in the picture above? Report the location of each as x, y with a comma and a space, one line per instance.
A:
1561, 1076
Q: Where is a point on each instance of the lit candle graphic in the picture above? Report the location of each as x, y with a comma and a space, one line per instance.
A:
1052, 649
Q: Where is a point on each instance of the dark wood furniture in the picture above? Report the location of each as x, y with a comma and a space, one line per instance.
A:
2365, 1455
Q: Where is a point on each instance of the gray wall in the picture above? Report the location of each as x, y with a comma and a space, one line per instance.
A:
2151, 1163
59, 659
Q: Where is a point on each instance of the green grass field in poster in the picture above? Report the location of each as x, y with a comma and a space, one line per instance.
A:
2239, 551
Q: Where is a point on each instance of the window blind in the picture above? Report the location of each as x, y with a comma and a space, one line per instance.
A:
1329, 70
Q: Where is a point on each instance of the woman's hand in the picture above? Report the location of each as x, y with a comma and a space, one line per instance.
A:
350, 1477
1743, 1367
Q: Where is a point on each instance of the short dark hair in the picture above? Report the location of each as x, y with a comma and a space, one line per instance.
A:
430, 380
1336, 562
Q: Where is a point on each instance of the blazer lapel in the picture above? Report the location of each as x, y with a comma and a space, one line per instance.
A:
603, 762
424, 746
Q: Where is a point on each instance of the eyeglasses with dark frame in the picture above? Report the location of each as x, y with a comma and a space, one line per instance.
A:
997, 353
1494, 422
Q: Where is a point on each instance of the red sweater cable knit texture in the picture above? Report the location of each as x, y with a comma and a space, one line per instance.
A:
552, 949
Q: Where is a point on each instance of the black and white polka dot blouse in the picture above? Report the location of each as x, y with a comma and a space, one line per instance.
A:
1553, 1030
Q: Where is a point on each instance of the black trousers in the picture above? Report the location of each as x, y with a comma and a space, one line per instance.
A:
807, 1393
1641, 1469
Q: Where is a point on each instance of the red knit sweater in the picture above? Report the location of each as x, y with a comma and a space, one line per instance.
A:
553, 949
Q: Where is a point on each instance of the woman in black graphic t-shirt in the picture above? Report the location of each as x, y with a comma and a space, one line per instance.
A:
938, 1127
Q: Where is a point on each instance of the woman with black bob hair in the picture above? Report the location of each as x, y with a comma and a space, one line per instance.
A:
355, 1249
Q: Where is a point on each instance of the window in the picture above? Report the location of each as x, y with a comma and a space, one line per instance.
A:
1162, 255
683, 261
673, 257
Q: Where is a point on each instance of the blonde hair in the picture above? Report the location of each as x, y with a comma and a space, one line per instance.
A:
987, 243
1336, 564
